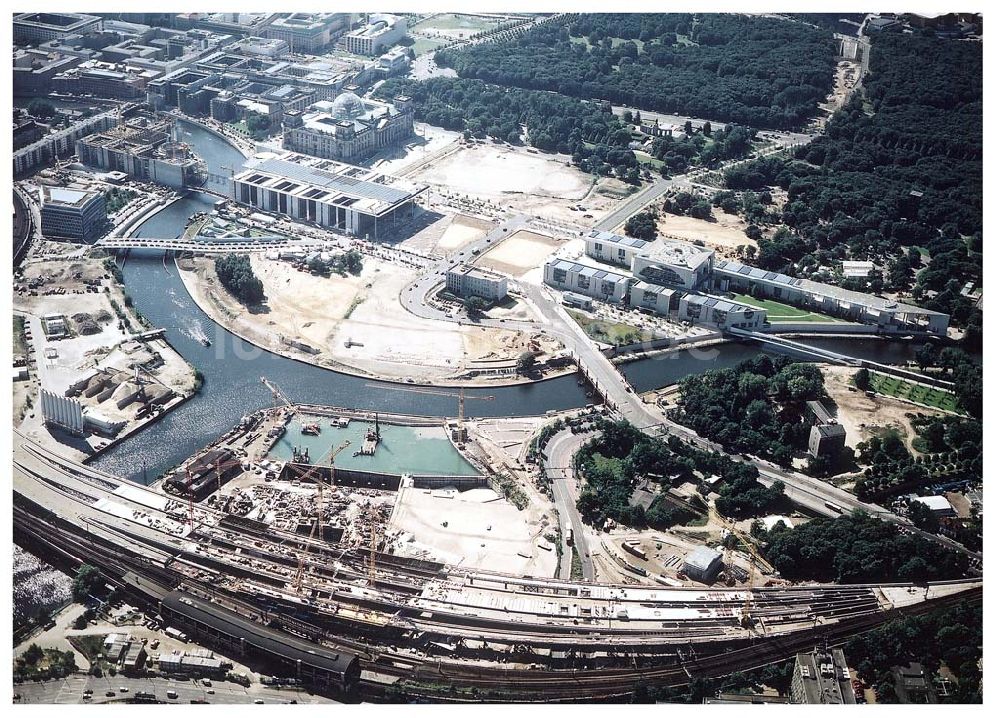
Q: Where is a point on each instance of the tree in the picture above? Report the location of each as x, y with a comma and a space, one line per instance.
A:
32, 654
475, 306
526, 361
707, 129
258, 125
641, 225
863, 379
237, 275
42, 109
85, 582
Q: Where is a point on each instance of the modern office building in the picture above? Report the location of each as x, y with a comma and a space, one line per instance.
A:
72, 213
349, 128
720, 313
887, 314
655, 298
307, 32
143, 148
822, 678
101, 79
42, 26
358, 201
464, 281
589, 281
614, 248
678, 265
377, 35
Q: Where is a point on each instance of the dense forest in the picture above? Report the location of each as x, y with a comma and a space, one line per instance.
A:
621, 456
598, 140
755, 407
756, 71
858, 549
951, 636
238, 277
897, 174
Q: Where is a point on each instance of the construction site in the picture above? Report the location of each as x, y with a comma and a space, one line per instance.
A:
406, 626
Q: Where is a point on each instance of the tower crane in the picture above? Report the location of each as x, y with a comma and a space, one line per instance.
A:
276, 393
311, 474
755, 560
460, 395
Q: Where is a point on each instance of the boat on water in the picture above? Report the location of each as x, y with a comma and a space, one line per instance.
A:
310, 429
205, 342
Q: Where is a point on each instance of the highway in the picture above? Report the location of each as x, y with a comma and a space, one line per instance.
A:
70, 690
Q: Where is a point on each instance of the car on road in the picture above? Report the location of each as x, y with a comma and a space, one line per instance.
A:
123, 689
258, 702
172, 694
210, 691
109, 694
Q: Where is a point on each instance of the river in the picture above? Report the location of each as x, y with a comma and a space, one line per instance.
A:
232, 368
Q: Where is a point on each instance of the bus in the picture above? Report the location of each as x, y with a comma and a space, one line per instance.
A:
834, 507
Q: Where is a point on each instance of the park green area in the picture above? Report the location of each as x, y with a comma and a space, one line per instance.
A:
911, 391
778, 312
602, 330
455, 21
423, 45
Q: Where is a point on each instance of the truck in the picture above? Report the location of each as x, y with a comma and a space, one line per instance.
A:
569, 534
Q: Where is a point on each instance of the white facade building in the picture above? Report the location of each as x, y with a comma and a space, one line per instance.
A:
614, 248
379, 34
463, 281
586, 280
358, 201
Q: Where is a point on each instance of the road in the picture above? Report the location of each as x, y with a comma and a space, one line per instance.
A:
70, 691
558, 462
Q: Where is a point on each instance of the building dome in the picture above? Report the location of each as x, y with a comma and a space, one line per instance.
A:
348, 106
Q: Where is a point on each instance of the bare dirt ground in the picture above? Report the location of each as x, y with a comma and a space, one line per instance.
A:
845, 78
522, 180
519, 253
352, 324
725, 233
476, 528
448, 234
863, 416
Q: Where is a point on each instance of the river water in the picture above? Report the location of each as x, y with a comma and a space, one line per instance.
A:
233, 368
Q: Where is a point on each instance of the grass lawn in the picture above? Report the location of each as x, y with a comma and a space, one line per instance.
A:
917, 393
454, 21
778, 312
20, 343
645, 158
601, 330
422, 45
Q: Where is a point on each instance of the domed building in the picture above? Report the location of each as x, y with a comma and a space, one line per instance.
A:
348, 129
348, 106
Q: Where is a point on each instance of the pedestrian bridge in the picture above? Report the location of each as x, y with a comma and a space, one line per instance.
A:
208, 245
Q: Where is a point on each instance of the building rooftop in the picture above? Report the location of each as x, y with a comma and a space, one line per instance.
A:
612, 238
820, 289
683, 254
588, 271
66, 197
830, 430
316, 178
936, 503
702, 558
282, 644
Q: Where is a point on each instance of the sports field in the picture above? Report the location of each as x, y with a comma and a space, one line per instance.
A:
778, 312
911, 391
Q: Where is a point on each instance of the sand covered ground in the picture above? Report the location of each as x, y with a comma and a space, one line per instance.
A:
519, 253
725, 233
522, 180
476, 528
447, 235
864, 416
353, 324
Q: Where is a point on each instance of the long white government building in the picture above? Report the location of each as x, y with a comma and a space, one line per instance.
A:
355, 200
686, 282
